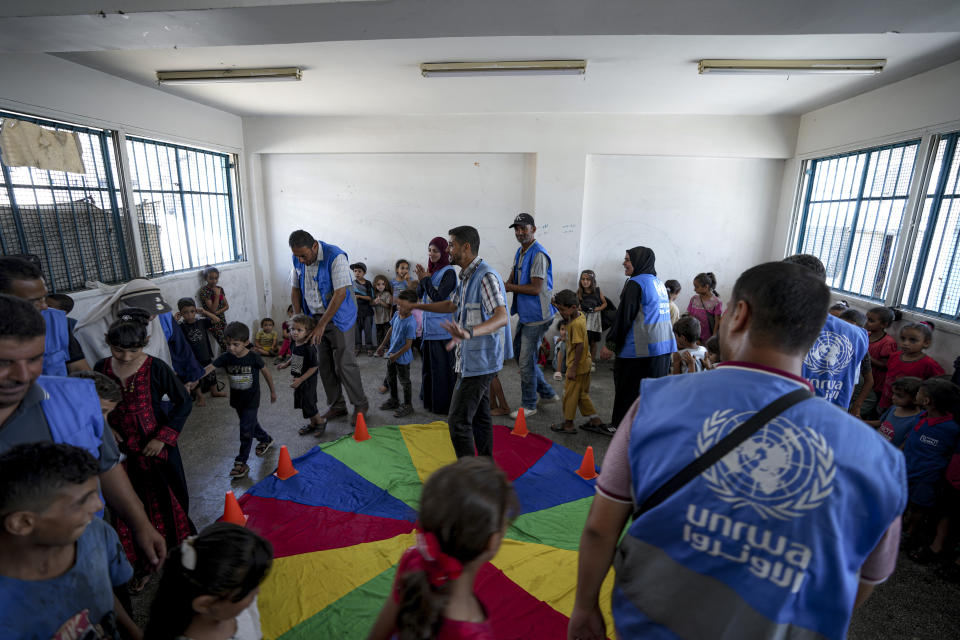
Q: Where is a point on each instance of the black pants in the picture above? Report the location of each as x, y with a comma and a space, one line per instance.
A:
469, 420
401, 371
438, 376
249, 429
627, 374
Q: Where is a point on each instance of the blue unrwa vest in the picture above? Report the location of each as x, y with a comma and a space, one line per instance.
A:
768, 541
482, 354
652, 331
346, 315
527, 306
432, 329
833, 363
56, 345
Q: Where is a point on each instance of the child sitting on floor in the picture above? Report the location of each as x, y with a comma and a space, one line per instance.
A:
59, 562
209, 586
465, 510
304, 364
265, 341
689, 356
897, 421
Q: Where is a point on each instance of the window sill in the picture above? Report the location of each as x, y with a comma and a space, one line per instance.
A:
863, 304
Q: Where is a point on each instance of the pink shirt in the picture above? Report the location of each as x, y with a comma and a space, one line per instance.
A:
703, 315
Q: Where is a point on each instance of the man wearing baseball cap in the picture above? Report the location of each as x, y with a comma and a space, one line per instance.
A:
531, 282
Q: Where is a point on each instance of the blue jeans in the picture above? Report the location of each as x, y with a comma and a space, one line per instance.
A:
532, 382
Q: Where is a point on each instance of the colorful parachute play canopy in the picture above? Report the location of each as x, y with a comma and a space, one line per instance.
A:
340, 525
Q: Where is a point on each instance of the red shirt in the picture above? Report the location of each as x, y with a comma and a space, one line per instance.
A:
449, 629
881, 350
925, 367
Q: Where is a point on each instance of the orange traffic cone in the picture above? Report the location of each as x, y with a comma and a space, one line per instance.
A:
285, 468
520, 424
588, 470
360, 432
232, 512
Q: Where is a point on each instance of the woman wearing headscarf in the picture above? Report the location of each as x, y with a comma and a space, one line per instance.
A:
437, 283
641, 335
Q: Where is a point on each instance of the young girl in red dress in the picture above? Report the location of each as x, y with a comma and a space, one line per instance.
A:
911, 360
882, 346
464, 513
147, 430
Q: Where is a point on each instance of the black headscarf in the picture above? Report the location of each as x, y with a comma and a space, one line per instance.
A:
642, 259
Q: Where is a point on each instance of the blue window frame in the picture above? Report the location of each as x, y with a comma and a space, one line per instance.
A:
73, 222
933, 279
184, 202
852, 211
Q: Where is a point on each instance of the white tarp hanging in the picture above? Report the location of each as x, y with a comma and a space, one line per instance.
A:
24, 144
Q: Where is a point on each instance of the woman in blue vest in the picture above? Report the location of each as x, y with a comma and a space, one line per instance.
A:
641, 335
437, 283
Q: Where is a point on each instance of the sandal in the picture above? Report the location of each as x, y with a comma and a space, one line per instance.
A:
138, 584
602, 429
240, 469
310, 428
263, 447
319, 430
559, 428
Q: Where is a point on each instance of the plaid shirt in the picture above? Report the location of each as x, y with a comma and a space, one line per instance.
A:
491, 297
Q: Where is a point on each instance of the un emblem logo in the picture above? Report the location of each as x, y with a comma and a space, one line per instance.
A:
831, 353
781, 472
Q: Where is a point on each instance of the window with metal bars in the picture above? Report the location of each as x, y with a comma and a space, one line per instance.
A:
933, 279
73, 222
851, 214
184, 202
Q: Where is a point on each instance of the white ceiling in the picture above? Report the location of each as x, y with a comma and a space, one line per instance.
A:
625, 74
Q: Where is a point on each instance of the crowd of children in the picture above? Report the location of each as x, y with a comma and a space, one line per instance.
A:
52, 541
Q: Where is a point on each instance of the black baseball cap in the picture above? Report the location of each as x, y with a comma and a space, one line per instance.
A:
522, 219
358, 265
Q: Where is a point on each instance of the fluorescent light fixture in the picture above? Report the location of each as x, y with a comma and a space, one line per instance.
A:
792, 67
504, 68
229, 75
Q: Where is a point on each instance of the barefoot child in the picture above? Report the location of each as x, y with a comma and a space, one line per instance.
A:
210, 585
304, 364
59, 562
214, 300
576, 390
244, 368
464, 513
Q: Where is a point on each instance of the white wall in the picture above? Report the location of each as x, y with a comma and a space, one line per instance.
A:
48, 86
697, 214
381, 207
551, 183
909, 109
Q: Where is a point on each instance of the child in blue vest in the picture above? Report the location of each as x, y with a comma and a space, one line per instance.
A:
400, 337
927, 450
899, 420
59, 562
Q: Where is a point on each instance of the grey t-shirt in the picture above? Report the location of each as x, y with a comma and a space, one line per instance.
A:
29, 424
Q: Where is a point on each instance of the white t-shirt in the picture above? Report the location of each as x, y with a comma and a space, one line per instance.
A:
698, 353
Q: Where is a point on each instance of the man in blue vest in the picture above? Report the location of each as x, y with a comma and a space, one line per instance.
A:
833, 363
781, 537
481, 336
531, 283
320, 284
37, 408
22, 278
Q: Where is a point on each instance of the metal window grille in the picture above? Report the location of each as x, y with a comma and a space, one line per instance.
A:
184, 201
852, 210
933, 279
74, 223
